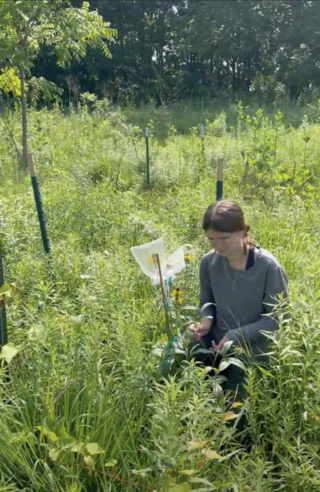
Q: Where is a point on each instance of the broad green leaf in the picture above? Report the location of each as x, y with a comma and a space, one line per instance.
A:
5, 289
238, 363
224, 364
8, 352
226, 348
67, 442
53, 437
175, 351
88, 461
54, 454
158, 352
78, 447
46, 432
196, 444
94, 448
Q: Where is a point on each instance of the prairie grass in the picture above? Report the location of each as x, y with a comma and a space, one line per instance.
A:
82, 405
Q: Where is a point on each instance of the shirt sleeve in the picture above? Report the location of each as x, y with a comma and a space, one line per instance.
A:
276, 286
207, 308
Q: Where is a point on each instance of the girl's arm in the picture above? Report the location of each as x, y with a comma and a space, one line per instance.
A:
207, 307
276, 285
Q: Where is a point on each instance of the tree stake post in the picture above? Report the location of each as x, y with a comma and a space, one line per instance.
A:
219, 185
146, 135
38, 202
3, 314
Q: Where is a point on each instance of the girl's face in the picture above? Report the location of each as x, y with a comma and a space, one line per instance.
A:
225, 243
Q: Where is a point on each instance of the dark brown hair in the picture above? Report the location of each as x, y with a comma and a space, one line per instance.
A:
225, 216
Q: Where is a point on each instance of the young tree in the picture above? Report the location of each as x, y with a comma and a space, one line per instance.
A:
25, 26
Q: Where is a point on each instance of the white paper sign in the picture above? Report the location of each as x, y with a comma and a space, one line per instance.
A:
170, 267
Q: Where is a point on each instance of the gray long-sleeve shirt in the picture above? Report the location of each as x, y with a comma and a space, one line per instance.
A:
241, 302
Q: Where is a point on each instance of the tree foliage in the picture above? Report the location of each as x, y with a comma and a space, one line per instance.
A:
172, 50
27, 26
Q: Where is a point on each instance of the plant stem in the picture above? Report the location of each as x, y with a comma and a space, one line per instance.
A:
164, 299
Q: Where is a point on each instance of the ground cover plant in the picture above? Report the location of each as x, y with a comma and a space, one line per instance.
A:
83, 406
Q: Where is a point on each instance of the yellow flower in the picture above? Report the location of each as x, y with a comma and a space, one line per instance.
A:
176, 293
187, 258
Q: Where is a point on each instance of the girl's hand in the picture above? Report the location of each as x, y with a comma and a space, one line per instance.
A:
200, 329
217, 348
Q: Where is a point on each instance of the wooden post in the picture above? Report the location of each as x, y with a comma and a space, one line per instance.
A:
37, 199
219, 186
146, 134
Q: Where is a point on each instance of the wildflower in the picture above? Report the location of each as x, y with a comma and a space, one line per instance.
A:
188, 258
176, 293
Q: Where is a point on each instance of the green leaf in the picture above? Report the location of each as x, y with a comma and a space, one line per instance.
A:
54, 454
196, 444
158, 352
230, 416
94, 448
111, 463
77, 320
186, 472
8, 352
46, 432
212, 455
202, 481
226, 348
67, 442
183, 487
175, 351
78, 448
88, 461
238, 363
143, 473
224, 364
5, 289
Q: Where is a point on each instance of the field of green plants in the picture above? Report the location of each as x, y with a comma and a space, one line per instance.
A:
83, 405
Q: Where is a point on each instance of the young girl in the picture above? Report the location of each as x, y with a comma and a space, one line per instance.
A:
239, 287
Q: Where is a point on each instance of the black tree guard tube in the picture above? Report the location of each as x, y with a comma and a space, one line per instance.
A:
37, 199
3, 315
219, 188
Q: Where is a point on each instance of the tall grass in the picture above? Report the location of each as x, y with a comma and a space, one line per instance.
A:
83, 407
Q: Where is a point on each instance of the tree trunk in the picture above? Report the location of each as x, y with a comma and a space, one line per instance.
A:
234, 77
24, 119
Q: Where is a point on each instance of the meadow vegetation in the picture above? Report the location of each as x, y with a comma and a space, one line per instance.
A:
83, 406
